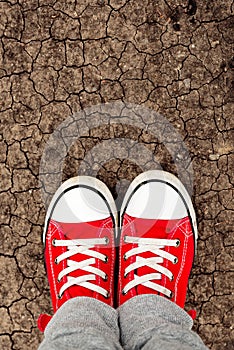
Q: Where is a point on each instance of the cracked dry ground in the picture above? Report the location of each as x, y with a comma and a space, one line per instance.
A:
58, 57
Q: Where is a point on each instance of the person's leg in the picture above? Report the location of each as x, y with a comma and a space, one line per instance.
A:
79, 239
157, 247
82, 323
151, 322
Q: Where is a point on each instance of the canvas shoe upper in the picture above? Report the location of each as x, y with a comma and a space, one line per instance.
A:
79, 239
158, 238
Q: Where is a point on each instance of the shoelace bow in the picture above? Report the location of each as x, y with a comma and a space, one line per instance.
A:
155, 246
81, 246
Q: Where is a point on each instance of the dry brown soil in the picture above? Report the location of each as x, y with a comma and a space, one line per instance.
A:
58, 57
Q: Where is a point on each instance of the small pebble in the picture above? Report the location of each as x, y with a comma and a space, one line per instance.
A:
214, 156
214, 43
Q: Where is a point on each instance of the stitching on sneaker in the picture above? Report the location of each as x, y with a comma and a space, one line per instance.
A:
108, 221
51, 232
129, 221
177, 226
185, 248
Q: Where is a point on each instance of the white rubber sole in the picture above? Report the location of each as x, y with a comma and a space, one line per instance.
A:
164, 177
91, 182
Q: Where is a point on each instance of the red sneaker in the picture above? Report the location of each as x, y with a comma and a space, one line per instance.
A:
79, 238
158, 238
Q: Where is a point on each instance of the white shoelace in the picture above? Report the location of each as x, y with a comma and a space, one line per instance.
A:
81, 246
155, 246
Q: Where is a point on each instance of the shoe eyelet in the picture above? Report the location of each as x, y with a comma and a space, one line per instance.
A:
106, 259
56, 261
124, 257
123, 292
53, 242
177, 243
58, 280
107, 241
107, 296
59, 296
105, 278
125, 275
175, 261
172, 278
171, 295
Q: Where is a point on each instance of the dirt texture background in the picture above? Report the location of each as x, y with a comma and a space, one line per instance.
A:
58, 57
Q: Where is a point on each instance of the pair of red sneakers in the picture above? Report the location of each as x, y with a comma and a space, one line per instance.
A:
87, 255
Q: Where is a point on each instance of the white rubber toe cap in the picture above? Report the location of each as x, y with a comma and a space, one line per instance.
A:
80, 205
156, 200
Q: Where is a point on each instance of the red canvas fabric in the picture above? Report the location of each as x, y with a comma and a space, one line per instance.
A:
67, 231
164, 229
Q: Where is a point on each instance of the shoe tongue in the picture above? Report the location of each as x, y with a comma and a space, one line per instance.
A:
81, 230
151, 228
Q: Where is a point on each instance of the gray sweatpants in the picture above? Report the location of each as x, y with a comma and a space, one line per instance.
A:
147, 322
